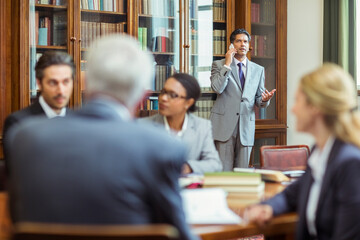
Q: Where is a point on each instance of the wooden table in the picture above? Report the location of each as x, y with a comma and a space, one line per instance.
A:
282, 227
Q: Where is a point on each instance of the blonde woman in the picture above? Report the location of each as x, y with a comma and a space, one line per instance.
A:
327, 196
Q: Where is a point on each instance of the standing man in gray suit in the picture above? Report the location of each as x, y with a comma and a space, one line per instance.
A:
239, 84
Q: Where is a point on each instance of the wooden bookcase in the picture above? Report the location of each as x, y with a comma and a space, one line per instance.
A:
184, 35
267, 21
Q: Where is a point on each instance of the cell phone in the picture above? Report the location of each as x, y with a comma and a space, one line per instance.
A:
231, 46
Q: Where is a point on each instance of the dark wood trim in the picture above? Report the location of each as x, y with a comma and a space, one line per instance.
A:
24, 58
74, 32
281, 63
5, 66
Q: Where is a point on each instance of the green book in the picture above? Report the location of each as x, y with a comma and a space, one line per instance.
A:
140, 35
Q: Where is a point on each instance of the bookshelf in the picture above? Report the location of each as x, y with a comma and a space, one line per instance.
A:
190, 27
48, 21
98, 18
184, 36
267, 22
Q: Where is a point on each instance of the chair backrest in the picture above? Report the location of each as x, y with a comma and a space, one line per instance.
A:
281, 157
51, 231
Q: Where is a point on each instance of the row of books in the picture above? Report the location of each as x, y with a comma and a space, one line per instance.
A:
90, 31
219, 10
157, 7
150, 103
161, 41
203, 108
194, 41
219, 41
193, 9
51, 2
104, 5
263, 12
50, 31
259, 45
162, 72
242, 188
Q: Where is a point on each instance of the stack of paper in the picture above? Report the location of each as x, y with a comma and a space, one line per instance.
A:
207, 206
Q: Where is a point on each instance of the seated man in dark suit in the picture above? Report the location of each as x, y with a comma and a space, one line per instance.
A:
97, 166
54, 77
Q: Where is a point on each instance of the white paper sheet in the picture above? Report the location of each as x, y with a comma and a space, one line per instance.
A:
207, 206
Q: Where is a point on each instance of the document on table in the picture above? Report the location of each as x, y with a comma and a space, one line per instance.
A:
207, 206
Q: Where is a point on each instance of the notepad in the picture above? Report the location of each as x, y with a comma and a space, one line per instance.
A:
207, 206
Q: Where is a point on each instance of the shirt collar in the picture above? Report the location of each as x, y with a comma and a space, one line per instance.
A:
50, 113
319, 158
244, 62
179, 133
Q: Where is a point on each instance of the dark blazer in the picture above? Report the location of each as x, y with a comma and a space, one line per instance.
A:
98, 169
338, 211
32, 110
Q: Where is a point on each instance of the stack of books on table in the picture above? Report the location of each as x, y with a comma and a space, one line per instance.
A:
242, 188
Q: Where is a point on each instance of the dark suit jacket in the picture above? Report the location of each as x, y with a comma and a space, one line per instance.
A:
16, 117
92, 167
338, 211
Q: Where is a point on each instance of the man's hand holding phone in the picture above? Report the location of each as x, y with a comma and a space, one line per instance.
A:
229, 55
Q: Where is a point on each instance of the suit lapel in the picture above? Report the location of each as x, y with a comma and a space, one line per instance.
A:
190, 130
235, 73
249, 70
36, 108
304, 196
327, 176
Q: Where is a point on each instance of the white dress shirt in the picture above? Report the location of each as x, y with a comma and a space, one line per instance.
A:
317, 162
244, 64
50, 113
179, 133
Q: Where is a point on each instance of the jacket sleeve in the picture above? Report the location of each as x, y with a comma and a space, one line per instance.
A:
260, 90
209, 159
286, 201
166, 194
219, 77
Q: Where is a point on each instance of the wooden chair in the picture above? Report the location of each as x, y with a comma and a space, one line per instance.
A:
51, 231
282, 158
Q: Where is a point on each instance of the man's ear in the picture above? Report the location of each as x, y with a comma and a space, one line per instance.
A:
38, 83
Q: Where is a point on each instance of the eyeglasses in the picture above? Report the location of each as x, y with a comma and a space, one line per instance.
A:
170, 95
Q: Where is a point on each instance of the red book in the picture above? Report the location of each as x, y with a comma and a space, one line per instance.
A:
163, 40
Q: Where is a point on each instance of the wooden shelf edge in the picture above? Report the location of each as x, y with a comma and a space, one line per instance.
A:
155, 16
38, 5
102, 12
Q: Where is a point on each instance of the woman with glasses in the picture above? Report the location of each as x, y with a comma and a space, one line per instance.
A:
327, 196
176, 102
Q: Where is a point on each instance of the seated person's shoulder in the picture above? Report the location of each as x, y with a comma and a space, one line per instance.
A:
200, 122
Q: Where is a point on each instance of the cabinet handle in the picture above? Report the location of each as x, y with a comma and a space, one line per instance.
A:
186, 46
80, 40
73, 39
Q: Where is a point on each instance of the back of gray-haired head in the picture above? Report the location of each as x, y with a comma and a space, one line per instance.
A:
117, 66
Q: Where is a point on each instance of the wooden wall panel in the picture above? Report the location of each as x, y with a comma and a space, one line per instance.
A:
5, 66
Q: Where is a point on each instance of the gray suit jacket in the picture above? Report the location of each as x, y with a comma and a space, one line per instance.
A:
95, 168
202, 155
234, 103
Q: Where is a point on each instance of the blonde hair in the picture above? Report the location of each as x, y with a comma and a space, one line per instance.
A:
333, 91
